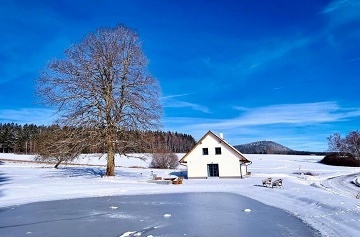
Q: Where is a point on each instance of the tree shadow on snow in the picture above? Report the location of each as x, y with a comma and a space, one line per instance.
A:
3, 179
261, 186
81, 171
122, 173
90, 172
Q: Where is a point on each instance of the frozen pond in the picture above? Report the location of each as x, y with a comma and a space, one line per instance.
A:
186, 214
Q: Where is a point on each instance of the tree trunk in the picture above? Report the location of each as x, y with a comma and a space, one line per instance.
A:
57, 164
110, 168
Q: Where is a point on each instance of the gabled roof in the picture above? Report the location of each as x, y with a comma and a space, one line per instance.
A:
241, 156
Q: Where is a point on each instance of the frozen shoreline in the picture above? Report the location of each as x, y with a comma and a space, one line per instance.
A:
327, 209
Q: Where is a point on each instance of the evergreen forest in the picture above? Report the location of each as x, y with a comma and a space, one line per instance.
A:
25, 139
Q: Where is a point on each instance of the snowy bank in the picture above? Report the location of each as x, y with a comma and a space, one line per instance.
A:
321, 195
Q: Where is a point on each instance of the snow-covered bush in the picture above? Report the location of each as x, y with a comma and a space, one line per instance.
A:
164, 160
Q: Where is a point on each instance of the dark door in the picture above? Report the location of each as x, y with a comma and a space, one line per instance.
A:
213, 170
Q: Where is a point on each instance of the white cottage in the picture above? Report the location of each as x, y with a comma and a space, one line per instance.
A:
212, 156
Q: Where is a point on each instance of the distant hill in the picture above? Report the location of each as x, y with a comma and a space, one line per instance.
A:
263, 147
270, 147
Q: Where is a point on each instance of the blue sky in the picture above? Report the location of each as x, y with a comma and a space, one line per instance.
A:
286, 71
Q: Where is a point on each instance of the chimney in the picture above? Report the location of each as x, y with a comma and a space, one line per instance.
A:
222, 135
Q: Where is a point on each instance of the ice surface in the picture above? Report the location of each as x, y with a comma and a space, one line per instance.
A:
324, 201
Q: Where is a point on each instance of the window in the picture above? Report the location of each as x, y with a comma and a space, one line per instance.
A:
217, 150
205, 151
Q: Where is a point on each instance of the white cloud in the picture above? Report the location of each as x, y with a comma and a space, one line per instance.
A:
241, 108
182, 104
279, 123
170, 102
173, 96
27, 116
299, 114
293, 114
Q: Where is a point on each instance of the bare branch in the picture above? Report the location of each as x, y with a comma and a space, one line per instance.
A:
103, 84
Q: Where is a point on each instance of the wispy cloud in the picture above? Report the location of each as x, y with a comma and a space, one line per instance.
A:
335, 5
173, 96
279, 123
170, 102
338, 5
351, 60
240, 108
342, 11
273, 50
294, 114
260, 55
299, 114
27, 116
183, 104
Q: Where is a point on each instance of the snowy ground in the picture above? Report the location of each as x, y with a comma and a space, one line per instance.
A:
323, 196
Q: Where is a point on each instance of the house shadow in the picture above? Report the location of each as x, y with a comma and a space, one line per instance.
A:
3, 179
180, 174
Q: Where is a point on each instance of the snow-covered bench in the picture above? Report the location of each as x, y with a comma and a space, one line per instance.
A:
267, 182
277, 183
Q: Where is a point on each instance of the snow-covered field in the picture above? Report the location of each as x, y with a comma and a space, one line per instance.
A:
321, 195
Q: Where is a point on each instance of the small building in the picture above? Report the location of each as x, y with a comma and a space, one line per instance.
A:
212, 156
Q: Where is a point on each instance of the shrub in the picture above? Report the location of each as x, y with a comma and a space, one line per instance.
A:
306, 173
164, 160
341, 160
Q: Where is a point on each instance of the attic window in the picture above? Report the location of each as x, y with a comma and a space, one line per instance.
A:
205, 151
217, 150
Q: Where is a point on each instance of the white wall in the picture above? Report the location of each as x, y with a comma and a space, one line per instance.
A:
229, 165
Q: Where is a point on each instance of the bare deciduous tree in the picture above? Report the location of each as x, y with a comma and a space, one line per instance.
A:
350, 144
60, 145
102, 84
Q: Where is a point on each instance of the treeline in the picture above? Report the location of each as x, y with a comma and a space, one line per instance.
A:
15, 138
317, 153
175, 142
27, 139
